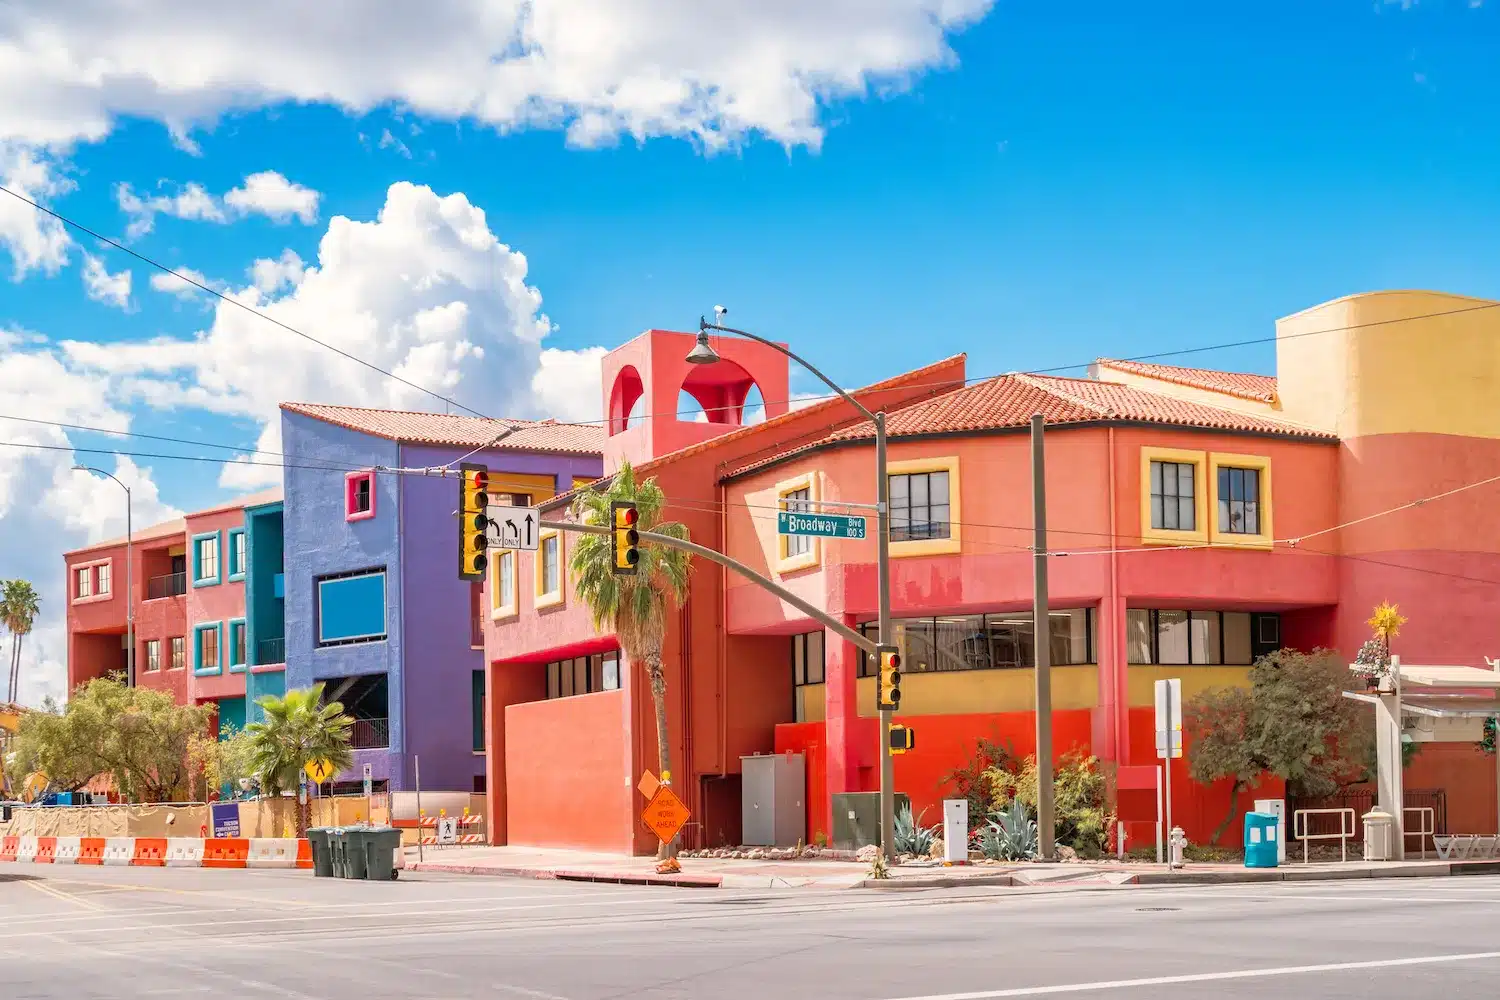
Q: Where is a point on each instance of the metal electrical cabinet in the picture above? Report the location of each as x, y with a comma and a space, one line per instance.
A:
773, 800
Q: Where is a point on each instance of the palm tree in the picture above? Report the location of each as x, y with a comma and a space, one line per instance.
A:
19, 606
634, 606
297, 731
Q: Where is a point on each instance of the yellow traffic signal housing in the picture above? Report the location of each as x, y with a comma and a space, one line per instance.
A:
888, 678
903, 739
473, 519
625, 544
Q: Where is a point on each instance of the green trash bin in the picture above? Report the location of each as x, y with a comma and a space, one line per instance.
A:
381, 844
322, 851
354, 852
338, 847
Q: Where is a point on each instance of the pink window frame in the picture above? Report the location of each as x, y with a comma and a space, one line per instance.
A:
351, 484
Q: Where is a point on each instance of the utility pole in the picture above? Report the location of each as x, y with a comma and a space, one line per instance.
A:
887, 635
1042, 645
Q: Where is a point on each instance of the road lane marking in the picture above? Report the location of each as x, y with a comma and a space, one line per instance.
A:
1210, 977
55, 893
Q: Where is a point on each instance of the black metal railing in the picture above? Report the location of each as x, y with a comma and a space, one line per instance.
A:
369, 734
167, 585
271, 650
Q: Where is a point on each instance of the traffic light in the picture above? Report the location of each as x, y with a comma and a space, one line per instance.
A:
473, 519
903, 739
626, 540
888, 679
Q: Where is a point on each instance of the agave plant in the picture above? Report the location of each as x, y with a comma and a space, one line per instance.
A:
1009, 835
911, 837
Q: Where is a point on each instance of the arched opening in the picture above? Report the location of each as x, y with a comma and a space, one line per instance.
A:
625, 400
716, 394
755, 406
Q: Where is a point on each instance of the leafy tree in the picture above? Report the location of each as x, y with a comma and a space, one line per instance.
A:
19, 606
138, 736
223, 759
1292, 721
635, 607
298, 730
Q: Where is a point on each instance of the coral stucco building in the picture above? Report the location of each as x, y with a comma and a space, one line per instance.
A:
1198, 519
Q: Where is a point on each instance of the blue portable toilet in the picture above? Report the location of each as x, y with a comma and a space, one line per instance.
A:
1260, 840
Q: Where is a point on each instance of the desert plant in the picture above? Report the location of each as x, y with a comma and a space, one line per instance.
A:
878, 867
911, 837
1081, 817
969, 782
1009, 834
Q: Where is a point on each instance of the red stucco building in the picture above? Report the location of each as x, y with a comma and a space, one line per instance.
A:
1198, 519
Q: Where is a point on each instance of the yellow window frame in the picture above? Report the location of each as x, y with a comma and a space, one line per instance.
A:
504, 563
933, 546
1259, 463
1172, 536
546, 598
785, 562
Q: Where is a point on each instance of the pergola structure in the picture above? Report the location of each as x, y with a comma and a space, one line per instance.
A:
1446, 704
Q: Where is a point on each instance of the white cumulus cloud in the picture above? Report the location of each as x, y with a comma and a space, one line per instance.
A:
272, 195
172, 284
101, 286
35, 240
266, 193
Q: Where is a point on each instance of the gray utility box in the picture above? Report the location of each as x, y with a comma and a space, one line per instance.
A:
856, 818
773, 800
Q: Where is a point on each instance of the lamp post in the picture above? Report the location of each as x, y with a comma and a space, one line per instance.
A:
703, 353
129, 575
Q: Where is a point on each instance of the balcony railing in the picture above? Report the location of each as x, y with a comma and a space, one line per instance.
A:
167, 585
271, 650
369, 734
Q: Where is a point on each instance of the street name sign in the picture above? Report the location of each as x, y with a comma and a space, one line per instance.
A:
790, 522
514, 527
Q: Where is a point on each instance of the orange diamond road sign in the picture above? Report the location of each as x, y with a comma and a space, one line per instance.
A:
648, 785
665, 814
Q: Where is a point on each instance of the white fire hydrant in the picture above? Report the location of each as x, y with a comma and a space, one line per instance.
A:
1176, 844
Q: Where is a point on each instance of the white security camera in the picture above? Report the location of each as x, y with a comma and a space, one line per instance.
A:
720, 312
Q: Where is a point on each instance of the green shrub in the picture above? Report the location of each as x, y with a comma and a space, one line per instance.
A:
970, 782
1082, 820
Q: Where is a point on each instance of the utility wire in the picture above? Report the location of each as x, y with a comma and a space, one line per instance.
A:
1153, 356
233, 301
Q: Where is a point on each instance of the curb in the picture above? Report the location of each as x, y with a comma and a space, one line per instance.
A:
936, 882
1291, 874
611, 878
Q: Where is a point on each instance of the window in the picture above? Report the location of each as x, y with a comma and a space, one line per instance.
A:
206, 642
237, 644
807, 658
476, 700
236, 553
1239, 501
549, 570
102, 575
177, 652
503, 586
83, 581
359, 496
1199, 638
583, 675
796, 502
919, 506
153, 654
985, 642
351, 607
1172, 498
206, 559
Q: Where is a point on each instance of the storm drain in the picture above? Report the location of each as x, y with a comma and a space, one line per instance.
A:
1157, 909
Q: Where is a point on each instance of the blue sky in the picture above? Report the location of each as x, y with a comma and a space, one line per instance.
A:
1070, 181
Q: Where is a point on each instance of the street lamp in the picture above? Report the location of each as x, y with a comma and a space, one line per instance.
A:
129, 575
703, 353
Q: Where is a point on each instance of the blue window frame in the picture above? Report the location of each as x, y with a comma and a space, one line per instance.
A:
234, 651
207, 562
235, 552
351, 608
208, 649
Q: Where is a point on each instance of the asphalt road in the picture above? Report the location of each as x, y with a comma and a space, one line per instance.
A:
79, 933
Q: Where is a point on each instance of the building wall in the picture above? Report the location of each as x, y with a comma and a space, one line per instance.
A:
97, 627
440, 658
265, 607
318, 542
220, 602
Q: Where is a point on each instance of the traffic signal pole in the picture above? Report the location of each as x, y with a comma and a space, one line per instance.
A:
883, 586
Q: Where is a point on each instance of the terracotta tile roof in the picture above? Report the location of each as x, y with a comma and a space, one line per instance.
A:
1010, 400
411, 427
178, 526
869, 395
1241, 384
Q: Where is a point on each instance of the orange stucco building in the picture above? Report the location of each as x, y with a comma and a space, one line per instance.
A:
1198, 519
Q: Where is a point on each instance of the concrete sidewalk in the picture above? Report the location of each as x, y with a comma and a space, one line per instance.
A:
551, 863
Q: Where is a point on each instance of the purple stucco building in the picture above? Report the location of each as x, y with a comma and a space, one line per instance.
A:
375, 608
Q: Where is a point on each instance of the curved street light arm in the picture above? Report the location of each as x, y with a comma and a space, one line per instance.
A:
704, 326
